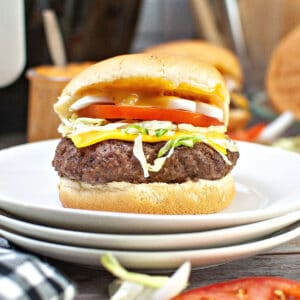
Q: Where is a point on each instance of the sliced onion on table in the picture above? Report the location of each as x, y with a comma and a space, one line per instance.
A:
138, 286
175, 285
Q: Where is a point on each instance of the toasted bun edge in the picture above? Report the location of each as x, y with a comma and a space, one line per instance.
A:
201, 197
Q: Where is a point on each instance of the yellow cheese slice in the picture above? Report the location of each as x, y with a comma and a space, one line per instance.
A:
86, 139
92, 137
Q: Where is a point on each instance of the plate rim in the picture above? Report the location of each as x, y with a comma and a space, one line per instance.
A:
234, 252
263, 228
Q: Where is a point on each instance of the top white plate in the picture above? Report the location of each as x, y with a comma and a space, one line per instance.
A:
267, 180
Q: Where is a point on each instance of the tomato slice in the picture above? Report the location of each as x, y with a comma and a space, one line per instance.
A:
145, 113
250, 135
252, 288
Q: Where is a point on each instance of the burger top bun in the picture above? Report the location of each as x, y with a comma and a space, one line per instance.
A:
283, 75
184, 77
221, 58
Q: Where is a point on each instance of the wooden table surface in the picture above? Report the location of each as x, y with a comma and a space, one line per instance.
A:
92, 284
281, 261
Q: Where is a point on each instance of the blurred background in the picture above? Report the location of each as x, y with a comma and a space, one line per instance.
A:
93, 30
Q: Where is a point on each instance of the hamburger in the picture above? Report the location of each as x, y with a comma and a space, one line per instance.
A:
146, 134
283, 75
225, 61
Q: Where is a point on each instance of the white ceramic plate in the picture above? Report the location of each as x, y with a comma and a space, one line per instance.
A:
267, 186
193, 240
155, 260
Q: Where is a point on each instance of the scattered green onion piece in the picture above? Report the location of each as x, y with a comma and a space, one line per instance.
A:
112, 265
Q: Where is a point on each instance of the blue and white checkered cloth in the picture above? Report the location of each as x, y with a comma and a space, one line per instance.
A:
25, 277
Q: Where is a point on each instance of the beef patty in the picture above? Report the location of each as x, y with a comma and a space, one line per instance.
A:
113, 160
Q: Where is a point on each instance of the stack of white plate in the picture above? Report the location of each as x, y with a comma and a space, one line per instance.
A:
264, 214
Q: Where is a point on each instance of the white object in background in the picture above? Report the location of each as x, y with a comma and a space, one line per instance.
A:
206, 22
54, 38
12, 41
276, 128
237, 32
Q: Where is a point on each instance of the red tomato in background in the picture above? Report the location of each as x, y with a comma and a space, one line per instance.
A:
252, 288
249, 135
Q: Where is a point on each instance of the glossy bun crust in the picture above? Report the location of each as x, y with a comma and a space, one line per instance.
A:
221, 58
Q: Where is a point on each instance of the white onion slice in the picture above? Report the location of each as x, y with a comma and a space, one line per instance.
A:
128, 290
88, 100
194, 106
180, 103
175, 285
210, 110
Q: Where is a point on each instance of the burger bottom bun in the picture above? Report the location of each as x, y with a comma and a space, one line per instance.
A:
201, 197
238, 119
